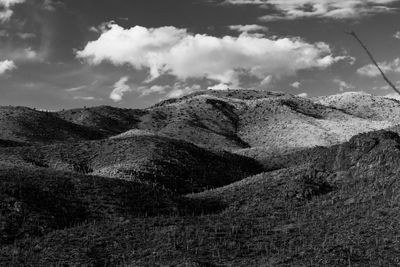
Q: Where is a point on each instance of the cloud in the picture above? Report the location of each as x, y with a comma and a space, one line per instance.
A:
6, 8
303, 95
248, 28
372, 71
173, 51
334, 9
120, 88
7, 65
87, 98
180, 90
296, 84
52, 5
10, 3
397, 35
267, 82
155, 89
220, 86
343, 85
74, 89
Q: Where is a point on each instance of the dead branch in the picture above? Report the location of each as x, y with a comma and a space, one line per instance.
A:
352, 33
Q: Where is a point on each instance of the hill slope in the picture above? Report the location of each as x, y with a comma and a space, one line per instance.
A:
176, 165
105, 119
342, 211
28, 125
364, 105
256, 124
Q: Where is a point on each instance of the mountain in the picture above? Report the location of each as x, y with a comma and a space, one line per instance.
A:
258, 124
214, 178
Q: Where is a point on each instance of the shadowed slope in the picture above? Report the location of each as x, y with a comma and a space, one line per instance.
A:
35, 201
341, 211
105, 119
176, 165
28, 125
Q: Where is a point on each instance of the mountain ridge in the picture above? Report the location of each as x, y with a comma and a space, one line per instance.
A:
214, 178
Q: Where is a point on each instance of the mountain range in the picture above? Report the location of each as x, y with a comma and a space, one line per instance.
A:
214, 178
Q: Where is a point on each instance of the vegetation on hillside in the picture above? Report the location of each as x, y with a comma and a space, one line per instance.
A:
166, 187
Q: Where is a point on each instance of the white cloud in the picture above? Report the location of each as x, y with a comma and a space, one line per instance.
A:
303, 95
6, 65
23, 54
397, 35
267, 82
296, 84
248, 28
343, 85
180, 90
120, 88
169, 50
87, 98
372, 71
6, 11
74, 89
155, 89
10, 3
220, 86
335, 9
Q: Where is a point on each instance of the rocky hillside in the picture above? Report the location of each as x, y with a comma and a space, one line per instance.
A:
303, 215
214, 178
176, 165
364, 105
28, 125
104, 119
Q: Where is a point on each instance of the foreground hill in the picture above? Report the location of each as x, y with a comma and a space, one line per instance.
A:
338, 212
170, 163
36, 201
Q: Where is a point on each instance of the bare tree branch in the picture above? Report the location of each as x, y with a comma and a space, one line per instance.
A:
352, 33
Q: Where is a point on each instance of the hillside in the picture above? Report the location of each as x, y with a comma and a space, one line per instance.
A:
37, 201
245, 121
169, 163
28, 125
335, 212
262, 125
105, 119
214, 178
364, 105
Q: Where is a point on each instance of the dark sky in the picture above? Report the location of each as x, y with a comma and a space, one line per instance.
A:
57, 54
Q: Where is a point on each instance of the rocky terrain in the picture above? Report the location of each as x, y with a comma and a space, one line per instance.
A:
215, 178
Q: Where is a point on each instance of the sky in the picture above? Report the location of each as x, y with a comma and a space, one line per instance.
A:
61, 54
